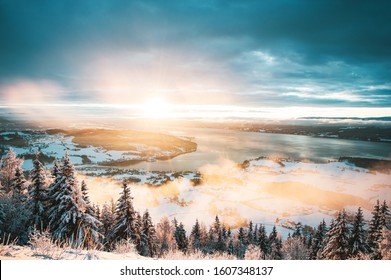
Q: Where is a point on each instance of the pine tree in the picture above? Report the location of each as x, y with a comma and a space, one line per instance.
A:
195, 237
216, 226
337, 246
250, 233
275, 245
125, 225
18, 185
263, 240
241, 243
108, 220
8, 164
84, 191
317, 241
38, 196
180, 238
375, 231
221, 246
89, 224
97, 213
357, 242
68, 219
148, 236
298, 231
385, 217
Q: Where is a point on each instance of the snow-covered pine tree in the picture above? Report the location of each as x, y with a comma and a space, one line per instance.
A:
67, 216
216, 225
97, 213
385, 217
241, 245
38, 196
221, 245
337, 246
275, 245
250, 233
88, 207
195, 237
89, 224
107, 220
18, 185
180, 238
375, 231
8, 164
358, 238
125, 225
263, 240
385, 245
148, 234
317, 241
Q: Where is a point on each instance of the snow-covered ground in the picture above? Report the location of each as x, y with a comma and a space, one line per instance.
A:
55, 146
13, 252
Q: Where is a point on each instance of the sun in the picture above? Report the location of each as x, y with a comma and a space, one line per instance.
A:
156, 108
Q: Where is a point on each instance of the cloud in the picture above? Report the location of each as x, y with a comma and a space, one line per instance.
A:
191, 48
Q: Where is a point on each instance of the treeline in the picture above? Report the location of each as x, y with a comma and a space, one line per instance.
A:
52, 200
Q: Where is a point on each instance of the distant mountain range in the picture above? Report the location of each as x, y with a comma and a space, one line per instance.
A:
384, 119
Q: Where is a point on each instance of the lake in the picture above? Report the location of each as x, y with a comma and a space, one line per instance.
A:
215, 145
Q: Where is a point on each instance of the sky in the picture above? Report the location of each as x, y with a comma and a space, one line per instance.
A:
255, 56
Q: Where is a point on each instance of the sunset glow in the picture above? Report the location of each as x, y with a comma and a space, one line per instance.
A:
155, 108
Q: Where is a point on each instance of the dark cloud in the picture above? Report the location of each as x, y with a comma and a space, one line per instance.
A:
331, 46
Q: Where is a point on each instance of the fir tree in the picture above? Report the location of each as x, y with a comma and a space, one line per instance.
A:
263, 241
180, 238
18, 185
242, 243
357, 242
195, 237
317, 241
250, 233
68, 219
97, 213
8, 164
337, 246
221, 246
84, 191
231, 247
148, 235
125, 225
385, 218
38, 196
89, 224
108, 220
375, 231
298, 231
275, 244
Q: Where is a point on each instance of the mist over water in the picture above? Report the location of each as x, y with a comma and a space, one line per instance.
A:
214, 145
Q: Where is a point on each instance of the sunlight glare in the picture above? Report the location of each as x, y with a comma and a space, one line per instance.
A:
156, 108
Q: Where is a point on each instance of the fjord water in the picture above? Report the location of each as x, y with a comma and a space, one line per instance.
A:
216, 145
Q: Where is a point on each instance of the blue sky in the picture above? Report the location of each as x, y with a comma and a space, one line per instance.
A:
258, 54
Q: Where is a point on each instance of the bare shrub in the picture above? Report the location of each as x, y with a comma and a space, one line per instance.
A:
124, 247
196, 255
253, 253
43, 245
